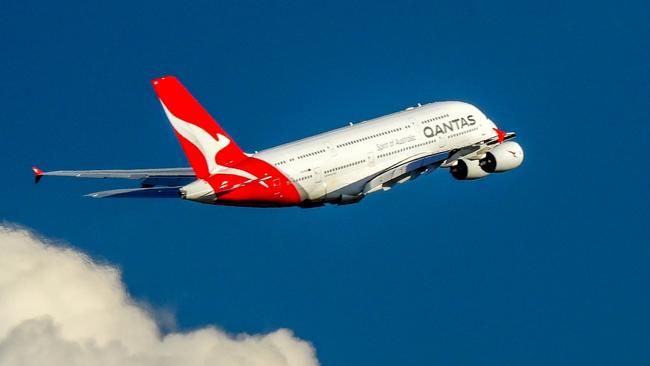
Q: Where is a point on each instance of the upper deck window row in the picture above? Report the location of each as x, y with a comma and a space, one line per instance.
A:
365, 138
434, 119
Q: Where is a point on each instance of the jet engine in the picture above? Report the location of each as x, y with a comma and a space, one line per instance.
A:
467, 170
504, 157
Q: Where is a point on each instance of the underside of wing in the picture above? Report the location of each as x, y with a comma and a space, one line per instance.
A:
404, 171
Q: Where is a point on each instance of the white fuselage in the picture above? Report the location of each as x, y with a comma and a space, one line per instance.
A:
338, 167
341, 161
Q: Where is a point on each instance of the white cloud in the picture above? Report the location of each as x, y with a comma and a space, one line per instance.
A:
58, 307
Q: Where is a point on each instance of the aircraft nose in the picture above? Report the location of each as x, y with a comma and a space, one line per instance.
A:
199, 191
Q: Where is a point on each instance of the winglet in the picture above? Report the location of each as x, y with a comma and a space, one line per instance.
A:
38, 174
501, 135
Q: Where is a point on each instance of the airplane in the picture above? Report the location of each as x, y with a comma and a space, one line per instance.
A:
338, 167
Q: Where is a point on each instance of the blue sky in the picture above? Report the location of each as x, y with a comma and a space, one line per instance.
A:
547, 264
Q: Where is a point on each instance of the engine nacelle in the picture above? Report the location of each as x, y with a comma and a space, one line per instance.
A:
504, 157
467, 170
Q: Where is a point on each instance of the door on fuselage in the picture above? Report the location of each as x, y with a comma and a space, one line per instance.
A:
318, 189
371, 159
276, 186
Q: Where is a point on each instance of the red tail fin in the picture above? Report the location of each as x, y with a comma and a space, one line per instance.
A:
207, 146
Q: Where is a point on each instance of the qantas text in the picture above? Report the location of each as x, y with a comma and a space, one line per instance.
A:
453, 125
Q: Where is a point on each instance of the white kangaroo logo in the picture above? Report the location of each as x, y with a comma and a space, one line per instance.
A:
208, 145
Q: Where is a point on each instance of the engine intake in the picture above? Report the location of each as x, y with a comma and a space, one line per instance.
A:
467, 170
509, 155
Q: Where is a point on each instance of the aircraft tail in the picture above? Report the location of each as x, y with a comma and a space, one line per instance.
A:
206, 145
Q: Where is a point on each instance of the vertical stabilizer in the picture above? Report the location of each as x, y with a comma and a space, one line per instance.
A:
206, 145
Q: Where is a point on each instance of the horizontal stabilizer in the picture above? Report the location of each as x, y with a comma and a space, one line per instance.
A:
163, 176
155, 192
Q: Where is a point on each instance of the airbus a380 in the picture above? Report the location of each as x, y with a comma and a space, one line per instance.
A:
341, 166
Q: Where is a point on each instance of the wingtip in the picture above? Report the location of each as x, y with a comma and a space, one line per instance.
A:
38, 174
501, 135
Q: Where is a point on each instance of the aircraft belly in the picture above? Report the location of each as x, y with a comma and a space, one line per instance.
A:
347, 185
316, 191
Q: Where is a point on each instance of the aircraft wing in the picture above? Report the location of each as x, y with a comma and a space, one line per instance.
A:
149, 177
404, 171
409, 170
476, 151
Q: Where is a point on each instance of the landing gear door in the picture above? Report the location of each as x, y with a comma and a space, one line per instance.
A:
442, 141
